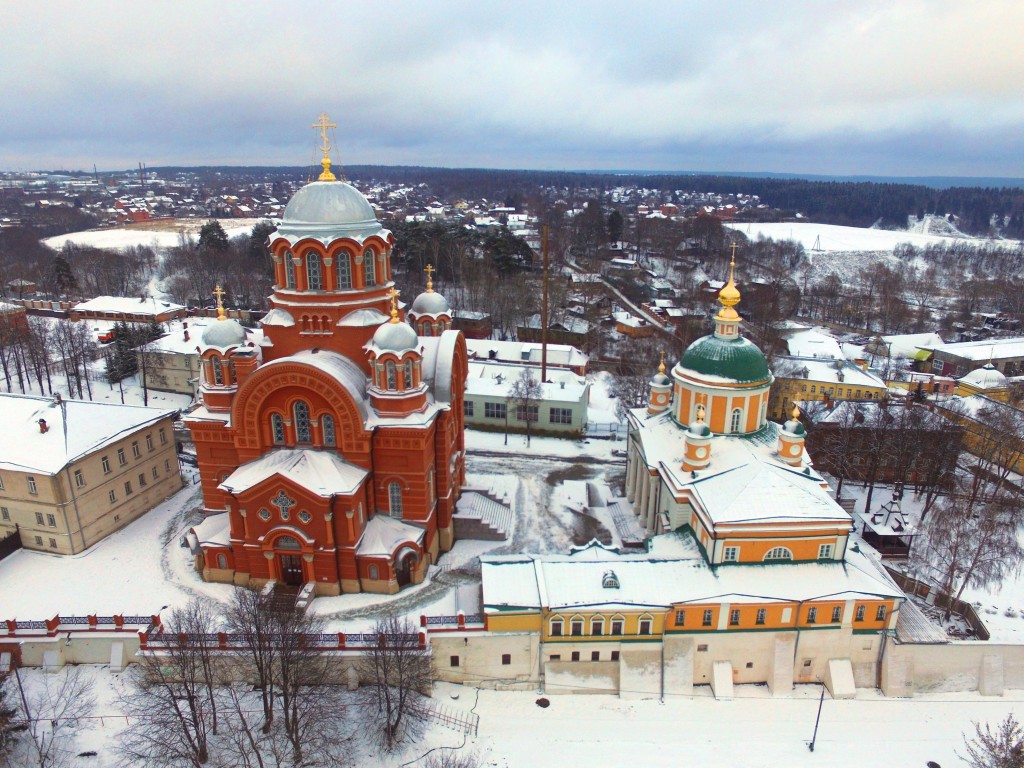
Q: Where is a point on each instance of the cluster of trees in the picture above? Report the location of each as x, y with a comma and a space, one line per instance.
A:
42, 348
241, 265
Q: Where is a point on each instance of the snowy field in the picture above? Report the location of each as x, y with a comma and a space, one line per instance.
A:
834, 238
608, 731
156, 234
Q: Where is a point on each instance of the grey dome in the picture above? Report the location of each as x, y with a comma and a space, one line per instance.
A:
395, 337
794, 427
698, 428
224, 333
329, 202
660, 379
430, 303
986, 377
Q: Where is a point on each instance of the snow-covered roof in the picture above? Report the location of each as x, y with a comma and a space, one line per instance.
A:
744, 483
174, 342
495, 379
825, 370
127, 305
383, 535
338, 367
521, 351
909, 344
564, 582
215, 529
983, 350
74, 428
813, 343
324, 473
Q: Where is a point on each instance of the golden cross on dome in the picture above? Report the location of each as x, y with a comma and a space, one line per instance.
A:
429, 269
219, 293
323, 123
395, 293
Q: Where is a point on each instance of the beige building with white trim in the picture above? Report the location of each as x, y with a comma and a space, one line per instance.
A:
72, 471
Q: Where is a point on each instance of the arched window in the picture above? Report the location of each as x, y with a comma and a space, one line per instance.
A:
556, 626
287, 542
408, 374
277, 428
369, 270
289, 271
390, 368
395, 499
778, 553
597, 626
218, 372
222, 561
373, 572
314, 278
344, 270
303, 433
330, 439
425, 330
737, 415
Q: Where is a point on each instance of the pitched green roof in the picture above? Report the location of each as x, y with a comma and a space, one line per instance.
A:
736, 359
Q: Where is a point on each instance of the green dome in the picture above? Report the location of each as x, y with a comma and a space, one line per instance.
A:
736, 359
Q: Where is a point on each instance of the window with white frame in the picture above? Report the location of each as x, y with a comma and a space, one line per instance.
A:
837, 614
617, 625
32, 485
5, 513
369, 270
644, 626
527, 413
79, 479
825, 552
127, 487
122, 459
136, 451
778, 553
495, 410
112, 495
680, 618
731, 554
737, 416
556, 626
812, 615
576, 626
106, 465
708, 618
560, 415
859, 614
51, 520
467, 408
39, 518
395, 499
343, 270
762, 614
734, 617
314, 278
880, 613
289, 271
149, 442
597, 626
163, 436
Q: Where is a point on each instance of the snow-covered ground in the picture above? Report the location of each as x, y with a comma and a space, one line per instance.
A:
828, 238
754, 729
157, 234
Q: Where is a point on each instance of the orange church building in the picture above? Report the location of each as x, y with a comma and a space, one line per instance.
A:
331, 451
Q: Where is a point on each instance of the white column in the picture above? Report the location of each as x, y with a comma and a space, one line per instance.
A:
631, 461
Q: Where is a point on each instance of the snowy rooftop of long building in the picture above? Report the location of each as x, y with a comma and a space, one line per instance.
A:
983, 350
128, 305
525, 352
745, 481
647, 580
496, 379
74, 429
817, 369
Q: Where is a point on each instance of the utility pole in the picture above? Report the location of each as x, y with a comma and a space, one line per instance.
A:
544, 311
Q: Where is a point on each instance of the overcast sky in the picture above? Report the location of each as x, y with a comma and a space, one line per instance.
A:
896, 87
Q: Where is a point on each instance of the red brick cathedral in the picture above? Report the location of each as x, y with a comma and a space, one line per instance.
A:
331, 450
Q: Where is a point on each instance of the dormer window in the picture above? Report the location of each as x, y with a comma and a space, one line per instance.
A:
610, 580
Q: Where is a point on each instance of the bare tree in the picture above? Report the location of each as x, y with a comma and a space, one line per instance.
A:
251, 619
1001, 747
632, 378
525, 394
174, 699
51, 711
399, 671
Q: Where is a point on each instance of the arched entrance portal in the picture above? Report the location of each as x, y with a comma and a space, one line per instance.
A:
289, 561
405, 566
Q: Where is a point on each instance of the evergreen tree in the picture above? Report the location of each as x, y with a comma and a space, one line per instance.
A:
212, 237
62, 279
